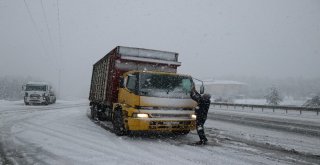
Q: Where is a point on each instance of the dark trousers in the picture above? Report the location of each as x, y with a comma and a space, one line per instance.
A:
200, 130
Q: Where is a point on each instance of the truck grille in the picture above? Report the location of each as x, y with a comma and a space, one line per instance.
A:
157, 115
37, 96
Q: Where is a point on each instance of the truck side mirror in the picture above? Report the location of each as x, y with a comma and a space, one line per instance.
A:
202, 85
23, 87
121, 82
202, 89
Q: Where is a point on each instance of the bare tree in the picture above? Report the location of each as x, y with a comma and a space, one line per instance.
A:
314, 102
10, 87
273, 97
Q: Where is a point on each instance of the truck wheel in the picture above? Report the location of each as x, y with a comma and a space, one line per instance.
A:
93, 112
118, 126
108, 114
47, 102
101, 116
25, 102
100, 113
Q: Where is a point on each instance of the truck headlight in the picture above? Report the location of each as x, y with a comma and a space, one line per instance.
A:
193, 116
140, 115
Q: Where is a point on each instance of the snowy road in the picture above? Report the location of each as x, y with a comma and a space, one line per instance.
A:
63, 134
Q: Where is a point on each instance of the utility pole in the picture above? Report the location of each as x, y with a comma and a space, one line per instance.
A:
59, 87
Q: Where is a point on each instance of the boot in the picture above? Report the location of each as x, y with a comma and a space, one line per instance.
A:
199, 142
202, 142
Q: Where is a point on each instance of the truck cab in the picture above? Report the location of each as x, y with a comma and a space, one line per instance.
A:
38, 93
157, 101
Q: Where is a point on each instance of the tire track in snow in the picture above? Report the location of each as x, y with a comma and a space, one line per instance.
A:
11, 117
3, 158
35, 108
262, 145
287, 126
85, 142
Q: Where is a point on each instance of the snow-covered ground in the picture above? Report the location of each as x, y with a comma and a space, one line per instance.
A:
62, 133
290, 132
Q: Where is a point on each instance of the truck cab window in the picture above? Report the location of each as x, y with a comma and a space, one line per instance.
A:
132, 83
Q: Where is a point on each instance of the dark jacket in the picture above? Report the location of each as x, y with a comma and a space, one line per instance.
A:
203, 106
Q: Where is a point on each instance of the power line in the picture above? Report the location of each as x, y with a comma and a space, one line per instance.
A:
35, 26
46, 21
54, 48
59, 28
60, 49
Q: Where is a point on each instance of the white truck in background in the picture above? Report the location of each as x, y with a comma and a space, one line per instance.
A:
38, 93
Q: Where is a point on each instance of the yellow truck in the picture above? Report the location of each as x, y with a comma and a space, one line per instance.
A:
139, 90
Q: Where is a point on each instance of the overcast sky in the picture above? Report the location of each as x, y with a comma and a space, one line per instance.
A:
214, 38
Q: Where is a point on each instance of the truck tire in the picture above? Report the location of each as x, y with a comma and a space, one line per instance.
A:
100, 113
108, 114
47, 102
93, 112
118, 125
25, 102
101, 116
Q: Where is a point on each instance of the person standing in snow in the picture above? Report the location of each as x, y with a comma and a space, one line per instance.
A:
201, 113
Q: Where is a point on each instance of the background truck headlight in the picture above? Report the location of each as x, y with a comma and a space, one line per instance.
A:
193, 116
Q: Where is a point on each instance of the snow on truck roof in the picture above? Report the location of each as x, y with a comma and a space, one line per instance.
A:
36, 83
148, 53
142, 59
158, 72
143, 55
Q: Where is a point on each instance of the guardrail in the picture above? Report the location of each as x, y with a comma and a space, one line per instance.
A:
262, 107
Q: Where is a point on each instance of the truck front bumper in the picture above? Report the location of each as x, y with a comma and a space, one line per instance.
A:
137, 124
35, 100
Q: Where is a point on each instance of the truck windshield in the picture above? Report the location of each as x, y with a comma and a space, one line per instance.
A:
35, 88
161, 85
